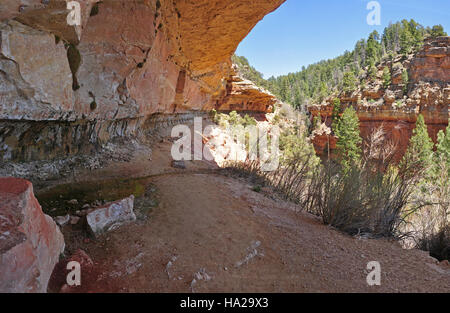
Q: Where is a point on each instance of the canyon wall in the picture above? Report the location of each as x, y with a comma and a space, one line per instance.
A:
63, 86
396, 108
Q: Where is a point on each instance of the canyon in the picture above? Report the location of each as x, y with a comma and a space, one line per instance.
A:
88, 107
427, 93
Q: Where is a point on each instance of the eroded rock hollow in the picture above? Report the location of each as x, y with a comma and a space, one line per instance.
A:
64, 87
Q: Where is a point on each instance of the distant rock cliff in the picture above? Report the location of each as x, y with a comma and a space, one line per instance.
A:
397, 106
243, 95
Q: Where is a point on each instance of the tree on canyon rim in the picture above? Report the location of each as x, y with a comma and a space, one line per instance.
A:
335, 116
314, 82
349, 139
420, 149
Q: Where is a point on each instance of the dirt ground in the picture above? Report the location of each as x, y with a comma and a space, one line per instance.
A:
202, 231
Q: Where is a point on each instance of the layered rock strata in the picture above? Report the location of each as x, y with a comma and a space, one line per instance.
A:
396, 108
126, 61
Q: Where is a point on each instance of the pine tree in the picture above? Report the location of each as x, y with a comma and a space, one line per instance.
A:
437, 31
349, 82
443, 148
420, 149
441, 179
323, 91
372, 70
406, 38
335, 116
373, 48
349, 139
405, 81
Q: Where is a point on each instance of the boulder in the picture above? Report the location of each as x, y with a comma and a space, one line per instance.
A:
30, 241
111, 215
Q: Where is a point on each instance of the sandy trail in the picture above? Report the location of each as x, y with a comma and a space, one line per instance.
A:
212, 233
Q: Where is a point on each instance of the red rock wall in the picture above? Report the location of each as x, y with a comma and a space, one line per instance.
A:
398, 126
428, 94
432, 63
130, 60
244, 95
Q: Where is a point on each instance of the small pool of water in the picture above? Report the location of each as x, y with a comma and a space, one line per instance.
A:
58, 200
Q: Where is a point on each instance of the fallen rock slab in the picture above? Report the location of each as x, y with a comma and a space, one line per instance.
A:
30, 241
111, 216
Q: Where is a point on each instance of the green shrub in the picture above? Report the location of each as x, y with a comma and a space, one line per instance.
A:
349, 140
232, 119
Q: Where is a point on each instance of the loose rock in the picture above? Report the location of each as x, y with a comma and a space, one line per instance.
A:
74, 220
62, 220
111, 216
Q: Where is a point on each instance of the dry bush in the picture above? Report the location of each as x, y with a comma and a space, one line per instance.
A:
378, 152
368, 199
360, 201
291, 179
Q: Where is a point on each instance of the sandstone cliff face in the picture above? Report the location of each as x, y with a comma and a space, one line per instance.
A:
432, 64
36, 82
204, 34
126, 61
30, 242
428, 93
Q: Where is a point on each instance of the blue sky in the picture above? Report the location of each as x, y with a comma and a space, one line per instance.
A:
302, 32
